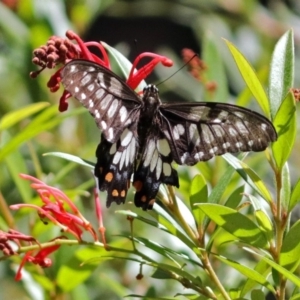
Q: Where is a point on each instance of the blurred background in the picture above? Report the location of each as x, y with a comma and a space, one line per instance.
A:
162, 26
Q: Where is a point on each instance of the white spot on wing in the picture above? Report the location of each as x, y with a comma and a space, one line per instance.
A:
86, 78
158, 168
199, 155
103, 125
226, 145
106, 101
97, 114
250, 143
153, 162
110, 134
91, 87
113, 108
184, 157
117, 86
167, 169
73, 68
123, 113
113, 149
99, 93
263, 126
194, 134
149, 153
91, 103
117, 157
126, 137
76, 90
163, 147
83, 96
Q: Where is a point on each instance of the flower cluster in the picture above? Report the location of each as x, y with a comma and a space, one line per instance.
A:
197, 67
59, 51
53, 209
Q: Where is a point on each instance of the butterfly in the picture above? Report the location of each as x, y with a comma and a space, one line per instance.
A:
142, 136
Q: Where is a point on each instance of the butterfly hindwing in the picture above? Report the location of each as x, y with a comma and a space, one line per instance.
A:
154, 168
112, 103
115, 165
199, 131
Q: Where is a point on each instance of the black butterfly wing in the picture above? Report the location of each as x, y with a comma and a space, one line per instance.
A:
112, 103
115, 165
198, 131
154, 168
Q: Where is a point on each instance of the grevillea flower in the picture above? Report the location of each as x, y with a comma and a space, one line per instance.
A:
53, 209
40, 258
59, 51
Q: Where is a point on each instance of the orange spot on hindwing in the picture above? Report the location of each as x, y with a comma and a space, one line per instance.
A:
138, 185
109, 176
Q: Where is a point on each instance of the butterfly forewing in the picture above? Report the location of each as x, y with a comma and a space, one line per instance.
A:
200, 131
107, 97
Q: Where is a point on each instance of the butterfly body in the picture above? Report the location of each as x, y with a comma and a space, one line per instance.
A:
143, 136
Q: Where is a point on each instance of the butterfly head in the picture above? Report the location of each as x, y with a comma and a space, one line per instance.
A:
151, 98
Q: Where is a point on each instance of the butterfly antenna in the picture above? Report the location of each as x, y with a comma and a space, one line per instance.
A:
195, 55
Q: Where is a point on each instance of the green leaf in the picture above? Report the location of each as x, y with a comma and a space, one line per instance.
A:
281, 71
235, 223
215, 72
285, 191
262, 268
285, 125
290, 250
250, 78
293, 278
249, 176
71, 158
246, 271
73, 273
295, 197
14, 117
258, 295
235, 198
198, 194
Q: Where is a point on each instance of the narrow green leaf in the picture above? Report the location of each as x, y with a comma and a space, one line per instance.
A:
198, 194
249, 176
248, 272
285, 192
281, 71
290, 250
71, 158
293, 278
250, 78
285, 125
215, 71
235, 198
14, 117
295, 197
262, 268
235, 223
163, 224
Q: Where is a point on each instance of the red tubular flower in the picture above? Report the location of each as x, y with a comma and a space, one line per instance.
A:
41, 259
53, 209
61, 51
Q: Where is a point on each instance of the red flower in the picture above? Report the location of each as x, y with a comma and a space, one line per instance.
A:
41, 259
61, 51
53, 209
